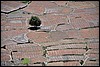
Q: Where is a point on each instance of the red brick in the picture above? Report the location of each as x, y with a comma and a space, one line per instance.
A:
63, 42
78, 40
8, 42
94, 32
38, 59
56, 19
2, 28
11, 5
50, 44
81, 5
5, 57
63, 27
55, 58
91, 63
42, 40
53, 10
72, 63
3, 16
71, 41
26, 54
58, 35
85, 33
66, 10
87, 11
3, 22
33, 8
12, 33
24, 48
34, 64
38, 7
66, 51
35, 35
73, 34
93, 45
38, 36
91, 17
65, 58
93, 51
61, 3
55, 64
66, 46
96, 3
93, 55
79, 23
58, 10
4, 51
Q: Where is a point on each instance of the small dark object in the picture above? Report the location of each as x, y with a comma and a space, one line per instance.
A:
34, 28
35, 21
81, 62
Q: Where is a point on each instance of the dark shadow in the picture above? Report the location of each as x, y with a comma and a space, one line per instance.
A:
4, 47
34, 28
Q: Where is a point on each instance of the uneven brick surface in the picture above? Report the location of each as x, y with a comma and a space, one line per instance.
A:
67, 51
72, 63
68, 35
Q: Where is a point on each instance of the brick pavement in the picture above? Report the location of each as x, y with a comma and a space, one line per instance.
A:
68, 36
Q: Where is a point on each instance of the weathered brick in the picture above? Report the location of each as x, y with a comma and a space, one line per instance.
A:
66, 46
96, 3
55, 64
78, 40
26, 54
58, 35
66, 51
38, 59
65, 58
94, 32
61, 3
64, 27
38, 36
23, 48
78, 22
72, 63
35, 35
93, 45
73, 34
42, 40
87, 11
91, 63
5, 57
38, 7
58, 10
3, 22
91, 17
4, 51
56, 19
92, 51
93, 55
85, 33
7, 42
81, 5
12, 33
10, 5
32, 64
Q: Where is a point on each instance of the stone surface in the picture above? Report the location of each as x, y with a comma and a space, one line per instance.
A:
21, 39
68, 35
81, 5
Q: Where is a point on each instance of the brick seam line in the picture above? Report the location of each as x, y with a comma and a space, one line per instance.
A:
85, 59
21, 7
